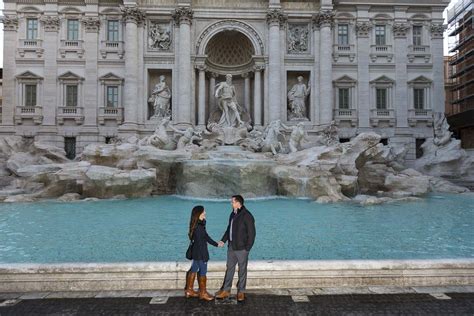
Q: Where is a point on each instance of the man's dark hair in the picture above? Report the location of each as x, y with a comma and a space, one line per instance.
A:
239, 199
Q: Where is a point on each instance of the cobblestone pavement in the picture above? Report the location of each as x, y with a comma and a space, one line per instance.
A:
370, 304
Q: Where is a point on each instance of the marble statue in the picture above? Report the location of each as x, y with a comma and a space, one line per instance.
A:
188, 137
297, 136
441, 130
297, 100
331, 134
226, 100
159, 37
272, 137
160, 97
160, 137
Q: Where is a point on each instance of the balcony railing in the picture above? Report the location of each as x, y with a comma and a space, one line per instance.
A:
110, 113
30, 45
382, 115
71, 46
116, 47
381, 51
346, 115
420, 115
29, 112
343, 50
70, 112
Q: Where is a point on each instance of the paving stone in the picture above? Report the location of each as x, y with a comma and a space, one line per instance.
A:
342, 290
300, 298
390, 290
444, 289
80, 294
118, 294
10, 302
440, 296
159, 300
7, 296
34, 295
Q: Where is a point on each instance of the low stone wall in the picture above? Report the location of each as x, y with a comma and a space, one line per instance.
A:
261, 275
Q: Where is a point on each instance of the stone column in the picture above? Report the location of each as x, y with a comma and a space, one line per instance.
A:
50, 102
91, 25
274, 18
183, 16
315, 111
325, 20
212, 88
363, 46
257, 96
401, 88
10, 27
246, 77
201, 95
437, 30
132, 16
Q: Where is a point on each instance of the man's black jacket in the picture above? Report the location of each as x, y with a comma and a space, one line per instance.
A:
243, 230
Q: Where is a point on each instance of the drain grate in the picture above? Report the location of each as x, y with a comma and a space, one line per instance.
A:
300, 298
159, 300
440, 296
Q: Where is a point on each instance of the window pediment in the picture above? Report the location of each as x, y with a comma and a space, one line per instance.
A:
420, 80
345, 79
383, 80
70, 76
111, 77
28, 75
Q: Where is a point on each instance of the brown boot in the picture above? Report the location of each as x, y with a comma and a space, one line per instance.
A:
188, 290
222, 294
203, 294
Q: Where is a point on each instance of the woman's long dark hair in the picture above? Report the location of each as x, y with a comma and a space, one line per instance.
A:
197, 211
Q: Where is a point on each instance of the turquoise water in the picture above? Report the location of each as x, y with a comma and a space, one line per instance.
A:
154, 229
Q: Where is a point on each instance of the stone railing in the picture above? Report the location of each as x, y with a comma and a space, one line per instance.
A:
272, 274
70, 112
422, 51
30, 45
382, 115
116, 47
343, 50
110, 113
34, 113
346, 115
420, 116
377, 51
71, 46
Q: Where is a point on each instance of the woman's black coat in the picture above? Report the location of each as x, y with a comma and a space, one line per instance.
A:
201, 238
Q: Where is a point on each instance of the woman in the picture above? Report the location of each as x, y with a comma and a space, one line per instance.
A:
197, 233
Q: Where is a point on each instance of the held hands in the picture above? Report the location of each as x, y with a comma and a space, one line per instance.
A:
220, 244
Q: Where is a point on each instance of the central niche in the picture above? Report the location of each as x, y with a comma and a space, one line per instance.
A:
229, 49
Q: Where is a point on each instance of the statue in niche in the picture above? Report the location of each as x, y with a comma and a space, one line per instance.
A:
297, 136
227, 102
297, 39
297, 100
159, 36
161, 97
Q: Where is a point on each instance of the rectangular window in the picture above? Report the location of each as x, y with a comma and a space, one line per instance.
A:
112, 96
380, 35
343, 34
381, 98
31, 29
417, 32
30, 95
72, 30
71, 95
113, 30
419, 99
343, 98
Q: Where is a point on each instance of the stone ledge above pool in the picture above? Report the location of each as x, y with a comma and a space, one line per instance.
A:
261, 275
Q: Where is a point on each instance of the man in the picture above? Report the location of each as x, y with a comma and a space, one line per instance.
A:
241, 235
225, 94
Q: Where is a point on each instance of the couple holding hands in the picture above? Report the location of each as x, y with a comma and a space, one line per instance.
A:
240, 234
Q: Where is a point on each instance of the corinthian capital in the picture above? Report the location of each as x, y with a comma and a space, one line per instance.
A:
275, 16
91, 23
183, 15
400, 29
50, 23
437, 30
133, 14
363, 29
324, 18
10, 22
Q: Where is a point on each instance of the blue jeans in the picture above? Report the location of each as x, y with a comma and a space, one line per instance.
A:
199, 265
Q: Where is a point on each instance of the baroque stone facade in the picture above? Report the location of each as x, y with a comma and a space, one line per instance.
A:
85, 72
